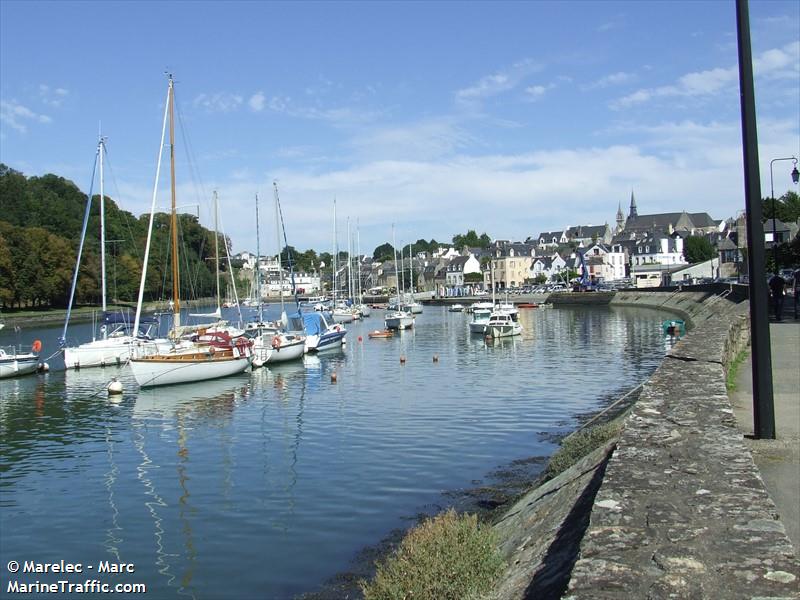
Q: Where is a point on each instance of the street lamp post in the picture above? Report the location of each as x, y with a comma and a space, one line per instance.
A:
795, 178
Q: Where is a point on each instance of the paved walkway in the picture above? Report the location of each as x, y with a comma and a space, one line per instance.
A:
777, 460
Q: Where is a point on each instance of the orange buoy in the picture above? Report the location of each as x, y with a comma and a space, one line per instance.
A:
37, 346
333, 377
360, 338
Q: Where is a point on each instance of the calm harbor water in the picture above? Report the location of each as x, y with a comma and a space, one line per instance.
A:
264, 485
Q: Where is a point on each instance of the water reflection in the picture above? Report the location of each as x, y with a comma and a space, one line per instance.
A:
281, 475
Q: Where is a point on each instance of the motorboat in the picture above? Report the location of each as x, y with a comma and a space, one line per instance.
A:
502, 324
322, 333
480, 318
14, 362
456, 308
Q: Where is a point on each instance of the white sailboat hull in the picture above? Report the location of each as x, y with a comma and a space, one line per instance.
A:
168, 371
99, 353
398, 320
266, 352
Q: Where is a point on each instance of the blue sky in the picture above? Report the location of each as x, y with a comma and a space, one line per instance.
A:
508, 118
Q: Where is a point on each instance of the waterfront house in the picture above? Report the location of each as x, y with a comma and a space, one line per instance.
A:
547, 266
458, 267
510, 265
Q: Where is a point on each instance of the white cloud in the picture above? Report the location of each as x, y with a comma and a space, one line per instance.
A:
222, 102
772, 64
536, 92
257, 102
52, 96
613, 79
497, 83
17, 116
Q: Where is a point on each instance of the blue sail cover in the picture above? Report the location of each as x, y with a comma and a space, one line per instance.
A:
313, 323
126, 318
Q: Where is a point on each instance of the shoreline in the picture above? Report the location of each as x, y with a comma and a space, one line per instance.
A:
489, 497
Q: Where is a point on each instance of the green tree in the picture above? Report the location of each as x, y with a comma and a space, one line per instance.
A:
383, 252
786, 208
697, 249
471, 239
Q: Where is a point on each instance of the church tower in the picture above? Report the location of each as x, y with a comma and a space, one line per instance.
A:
632, 214
620, 219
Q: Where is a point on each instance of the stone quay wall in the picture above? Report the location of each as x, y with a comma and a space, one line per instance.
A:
673, 508
682, 511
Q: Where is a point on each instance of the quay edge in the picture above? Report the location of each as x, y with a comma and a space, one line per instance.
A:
675, 506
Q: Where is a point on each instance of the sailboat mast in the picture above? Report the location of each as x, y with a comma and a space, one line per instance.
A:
216, 246
258, 267
335, 253
176, 310
349, 262
358, 262
140, 298
396, 276
101, 150
278, 241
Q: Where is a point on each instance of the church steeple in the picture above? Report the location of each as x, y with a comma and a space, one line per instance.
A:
632, 214
620, 218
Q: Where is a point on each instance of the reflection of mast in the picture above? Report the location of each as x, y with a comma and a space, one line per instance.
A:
183, 501
112, 538
150, 490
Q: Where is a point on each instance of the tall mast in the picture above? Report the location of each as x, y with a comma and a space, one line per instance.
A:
278, 241
258, 268
176, 310
349, 262
396, 276
335, 253
101, 150
152, 215
216, 247
358, 261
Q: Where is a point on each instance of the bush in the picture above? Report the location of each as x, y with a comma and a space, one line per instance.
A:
448, 557
574, 447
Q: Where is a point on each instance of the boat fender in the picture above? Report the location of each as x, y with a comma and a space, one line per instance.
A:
276, 342
37, 346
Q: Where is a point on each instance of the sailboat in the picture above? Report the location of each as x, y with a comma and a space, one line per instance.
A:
281, 345
399, 318
114, 345
215, 354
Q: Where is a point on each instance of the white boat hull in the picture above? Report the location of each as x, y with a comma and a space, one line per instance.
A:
326, 341
17, 365
98, 353
150, 373
264, 352
477, 327
399, 321
500, 331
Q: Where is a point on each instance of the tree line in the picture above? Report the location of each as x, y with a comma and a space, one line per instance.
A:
40, 227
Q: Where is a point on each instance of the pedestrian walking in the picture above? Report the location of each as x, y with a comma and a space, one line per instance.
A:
776, 286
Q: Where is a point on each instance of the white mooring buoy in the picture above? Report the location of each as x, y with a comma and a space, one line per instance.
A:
114, 387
